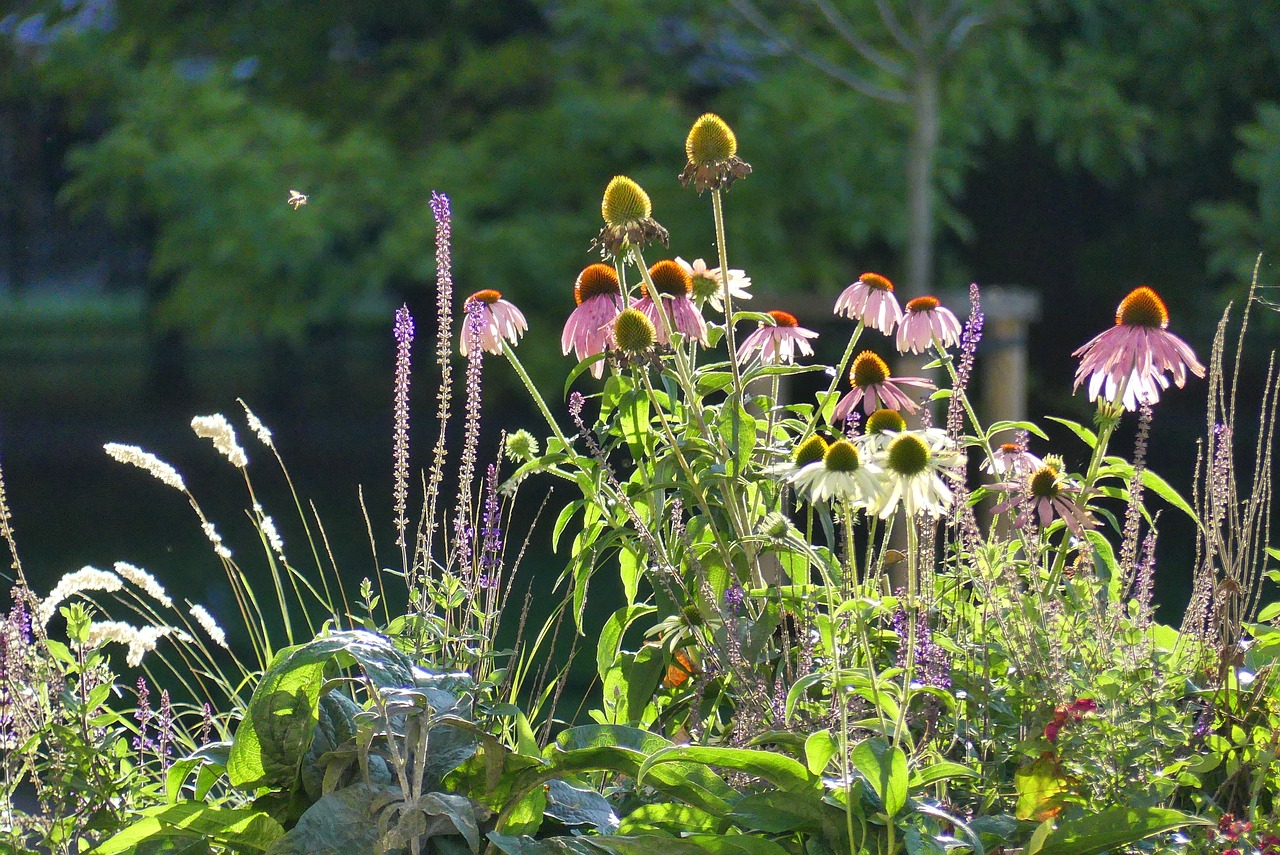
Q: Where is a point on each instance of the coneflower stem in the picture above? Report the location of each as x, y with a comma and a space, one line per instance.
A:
717, 212
835, 381
510, 353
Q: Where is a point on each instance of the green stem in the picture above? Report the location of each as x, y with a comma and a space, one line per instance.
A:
835, 381
717, 211
537, 398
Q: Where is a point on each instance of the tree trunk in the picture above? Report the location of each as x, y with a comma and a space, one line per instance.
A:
920, 157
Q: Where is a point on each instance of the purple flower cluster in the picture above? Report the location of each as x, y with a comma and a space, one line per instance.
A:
400, 492
964, 368
932, 662
462, 530
490, 531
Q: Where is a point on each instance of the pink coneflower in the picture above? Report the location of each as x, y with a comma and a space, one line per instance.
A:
499, 319
590, 326
1131, 358
1046, 494
926, 322
1011, 458
871, 301
709, 285
675, 285
779, 342
871, 385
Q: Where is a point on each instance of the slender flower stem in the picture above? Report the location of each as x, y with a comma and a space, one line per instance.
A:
717, 211
510, 353
835, 381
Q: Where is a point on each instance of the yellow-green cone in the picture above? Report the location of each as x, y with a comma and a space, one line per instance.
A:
633, 332
711, 150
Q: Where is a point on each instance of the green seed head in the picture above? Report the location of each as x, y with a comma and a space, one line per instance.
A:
625, 202
633, 332
908, 455
842, 457
775, 525
883, 420
521, 446
710, 141
691, 615
811, 450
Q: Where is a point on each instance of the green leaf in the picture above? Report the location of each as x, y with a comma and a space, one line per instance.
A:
819, 748
617, 748
1111, 829
611, 635
1001, 426
943, 771
775, 812
344, 821
282, 715
243, 828
779, 770
1041, 786
669, 817
1269, 612
1087, 436
629, 570
885, 767
574, 806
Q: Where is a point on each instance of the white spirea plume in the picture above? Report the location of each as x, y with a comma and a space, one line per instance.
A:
81, 581
216, 539
145, 581
209, 625
217, 428
269, 530
256, 425
140, 640
147, 461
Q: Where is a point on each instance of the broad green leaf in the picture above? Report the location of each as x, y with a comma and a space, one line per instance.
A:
781, 771
1041, 786
885, 767
1109, 830
280, 721
629, 570
776, 812
575, 806
243, 828
1029, 427
669, 817
344, 821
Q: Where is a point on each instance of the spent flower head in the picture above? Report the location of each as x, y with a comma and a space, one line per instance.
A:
219, 430
628, 218
520, 446
1129, 362
712, 152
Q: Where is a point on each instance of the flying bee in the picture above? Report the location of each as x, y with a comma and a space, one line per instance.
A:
296, 199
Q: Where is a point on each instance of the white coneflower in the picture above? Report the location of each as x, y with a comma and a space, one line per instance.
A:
216, 539
82, 580
209, 625
147, 461
145, 581
140, 640
914, 462
256, 425
268, 527
217, 428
